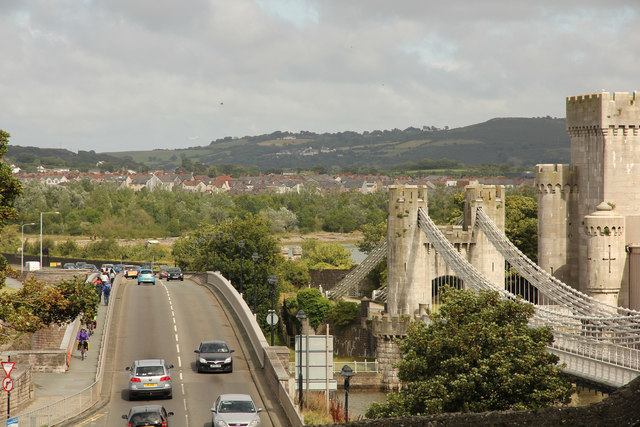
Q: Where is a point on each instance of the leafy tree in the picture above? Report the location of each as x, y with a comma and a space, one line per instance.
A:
320, 255
372, 235
315, 306
477, 354
10, 189
294, 273
344, 313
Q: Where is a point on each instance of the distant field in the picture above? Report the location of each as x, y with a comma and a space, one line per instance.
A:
281, 142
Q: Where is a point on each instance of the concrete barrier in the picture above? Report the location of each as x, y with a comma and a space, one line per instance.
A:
276, 374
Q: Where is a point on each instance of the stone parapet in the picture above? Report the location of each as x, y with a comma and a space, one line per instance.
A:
603, 111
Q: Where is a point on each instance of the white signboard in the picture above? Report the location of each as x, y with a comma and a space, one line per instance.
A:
316, 355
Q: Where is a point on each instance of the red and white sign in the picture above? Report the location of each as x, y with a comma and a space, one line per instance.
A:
7, 384
8, 367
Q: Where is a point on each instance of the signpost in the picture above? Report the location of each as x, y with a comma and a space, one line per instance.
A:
7, 384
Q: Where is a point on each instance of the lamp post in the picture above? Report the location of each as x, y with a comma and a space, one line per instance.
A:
272, 281
230, 249
300, 316
255, 257
22, 249
241, 245
347, 373
42, 213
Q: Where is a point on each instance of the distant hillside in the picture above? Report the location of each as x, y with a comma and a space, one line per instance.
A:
515, 141
29, 158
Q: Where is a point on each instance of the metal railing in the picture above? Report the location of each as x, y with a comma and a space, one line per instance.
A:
356, 366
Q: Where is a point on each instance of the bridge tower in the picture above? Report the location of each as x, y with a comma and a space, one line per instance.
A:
483, 254
407, 263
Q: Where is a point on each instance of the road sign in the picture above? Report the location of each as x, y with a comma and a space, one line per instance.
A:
7, 384
8, 367
12, 422
272, 319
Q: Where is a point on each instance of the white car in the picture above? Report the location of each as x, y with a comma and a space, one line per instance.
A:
235, 410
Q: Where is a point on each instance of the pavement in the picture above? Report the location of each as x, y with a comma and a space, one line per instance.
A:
52, 387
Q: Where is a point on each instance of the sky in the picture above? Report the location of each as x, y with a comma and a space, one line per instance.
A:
120, 75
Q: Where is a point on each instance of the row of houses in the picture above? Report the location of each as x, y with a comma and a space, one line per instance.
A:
272, 183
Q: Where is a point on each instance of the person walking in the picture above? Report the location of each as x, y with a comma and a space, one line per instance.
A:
99, 286
106, 290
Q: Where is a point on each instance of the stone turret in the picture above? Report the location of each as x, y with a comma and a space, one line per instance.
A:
409, 284
484, 256
605, 253
556, 198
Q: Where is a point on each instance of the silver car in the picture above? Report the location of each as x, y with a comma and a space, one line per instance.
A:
149, 377
235, 410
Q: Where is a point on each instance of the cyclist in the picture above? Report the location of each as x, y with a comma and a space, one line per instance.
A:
83, 342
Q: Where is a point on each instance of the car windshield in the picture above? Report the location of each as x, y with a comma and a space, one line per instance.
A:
146, 272
214, 348
173, 270
236, 406
146, 417
144, 371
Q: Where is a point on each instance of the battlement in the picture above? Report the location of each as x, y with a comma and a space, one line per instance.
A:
551, 176
455, 234
390, 326
487, 193
407, 193
603, 110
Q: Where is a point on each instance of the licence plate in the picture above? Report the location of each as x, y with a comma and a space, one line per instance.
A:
151, 385
214, 366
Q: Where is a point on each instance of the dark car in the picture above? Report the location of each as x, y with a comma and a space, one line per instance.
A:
174, 273
148, 416
214, 356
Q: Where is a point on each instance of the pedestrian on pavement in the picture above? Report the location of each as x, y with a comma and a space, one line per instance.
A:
106, 290
99, 286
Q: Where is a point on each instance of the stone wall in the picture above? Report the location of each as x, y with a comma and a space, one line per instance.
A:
619, 409
48, 338
22, 388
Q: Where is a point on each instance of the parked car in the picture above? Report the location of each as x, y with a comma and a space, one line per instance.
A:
130, 271
214, 356
146, 276
69, 266
148, 416
235, 410
174, 273
149, 377
80, 264
91, 267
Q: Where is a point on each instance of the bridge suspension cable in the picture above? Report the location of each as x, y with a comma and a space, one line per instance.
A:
356, 275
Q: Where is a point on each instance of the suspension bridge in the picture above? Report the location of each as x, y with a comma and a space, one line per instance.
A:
597, 342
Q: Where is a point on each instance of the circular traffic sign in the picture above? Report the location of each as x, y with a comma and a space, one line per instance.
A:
272, 319
7, 384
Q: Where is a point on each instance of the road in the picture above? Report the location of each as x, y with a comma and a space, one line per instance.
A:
167, 321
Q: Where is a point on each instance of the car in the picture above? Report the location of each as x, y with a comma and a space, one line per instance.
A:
91, 267
235, 410
80, 264
146, 276
106, 267
118, 268
162, 273
174, 273
214, 356
130, 271
148, 416
69, 266
150, 377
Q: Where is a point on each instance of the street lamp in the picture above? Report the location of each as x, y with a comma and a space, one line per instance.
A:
272, 281
22, 250
146, 245
300, 316
42, 213
241, 245
230, 249
347, 373
255, 257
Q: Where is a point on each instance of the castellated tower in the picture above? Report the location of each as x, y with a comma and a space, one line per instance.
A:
483, 254
408, 282
556, 199
605, 166
605, 253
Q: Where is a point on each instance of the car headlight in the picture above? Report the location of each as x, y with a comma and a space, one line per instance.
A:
202, 360
254, 423
220, 423
227, 360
